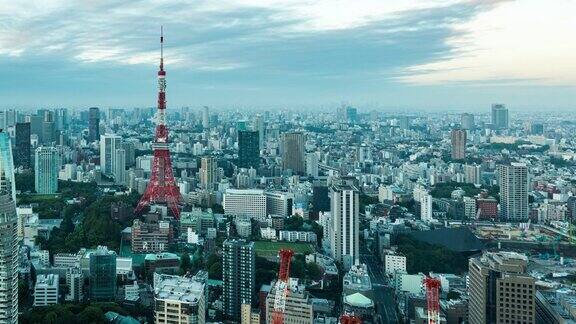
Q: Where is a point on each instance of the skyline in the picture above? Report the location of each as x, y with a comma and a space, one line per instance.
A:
457, 55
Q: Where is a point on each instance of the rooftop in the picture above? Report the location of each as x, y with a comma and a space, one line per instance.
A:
184, 289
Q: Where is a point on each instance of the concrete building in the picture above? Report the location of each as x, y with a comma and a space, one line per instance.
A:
250, 202
345, 224
298, 308
500, 118
467, 121
279, 203
151, 237
458, 137
238, 272
46, 166
513, 180
394, 262
249, 315
46, 290
500, 290
208, 172
179, 299
74, 283
472, 174
293, 152
312, 165
109, 143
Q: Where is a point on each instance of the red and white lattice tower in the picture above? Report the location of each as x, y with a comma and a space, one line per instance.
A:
349, 319
282, 286
433, 299
162, 188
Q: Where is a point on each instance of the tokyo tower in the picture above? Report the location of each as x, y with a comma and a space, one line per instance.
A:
162, 188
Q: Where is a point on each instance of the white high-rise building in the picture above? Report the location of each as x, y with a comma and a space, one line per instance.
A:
344, 209
426, 208
74, 283
208, 172
513, 180
109, 143
472, 174
250, 202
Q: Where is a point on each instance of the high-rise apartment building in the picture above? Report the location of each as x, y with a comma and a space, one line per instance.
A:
102, 274
312, 165
151, 237
109, 143
119, 170
472, 174
93, 124
208, 172
500, 119
293, 154
22, 146
238, 271
345, 224
500, 290
46, 167
513, 180
458, 137
8, 246
74, 284
248, 149
467, 121
179, 299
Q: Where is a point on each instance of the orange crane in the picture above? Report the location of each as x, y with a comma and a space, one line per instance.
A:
282, 286
433, 299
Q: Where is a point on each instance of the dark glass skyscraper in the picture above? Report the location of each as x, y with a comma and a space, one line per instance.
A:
94, 124
248, 149
239, 275
22, 154
102, 274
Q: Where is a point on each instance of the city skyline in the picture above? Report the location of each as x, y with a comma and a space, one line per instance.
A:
426, 54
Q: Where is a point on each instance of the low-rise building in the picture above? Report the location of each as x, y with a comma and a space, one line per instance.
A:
46, 290
178, 299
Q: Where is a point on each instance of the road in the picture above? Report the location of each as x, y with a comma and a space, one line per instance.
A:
384, 295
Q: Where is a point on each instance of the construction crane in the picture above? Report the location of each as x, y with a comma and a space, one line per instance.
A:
433, 299
281, 286
349, 319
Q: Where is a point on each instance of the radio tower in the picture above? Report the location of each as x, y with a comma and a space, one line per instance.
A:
432, 299
162, 188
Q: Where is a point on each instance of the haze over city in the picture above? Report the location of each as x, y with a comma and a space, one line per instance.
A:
430, 55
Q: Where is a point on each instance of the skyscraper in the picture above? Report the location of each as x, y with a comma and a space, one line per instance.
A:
9, 259
513, 181
119, 166
260, 128
46, 170
206, 117
208, 169
499, 116
109, 143
7, 164
238, 270
8, 235
467, 121
293, 152
248, 149
22, 154
345, 224
102, 274
500, 290
458, 137
48, 128
94, 124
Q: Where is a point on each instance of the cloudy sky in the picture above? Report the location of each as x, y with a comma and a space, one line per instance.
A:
391, 54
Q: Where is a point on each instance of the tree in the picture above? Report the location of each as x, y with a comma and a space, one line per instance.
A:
185, 263
215, 271
313, 271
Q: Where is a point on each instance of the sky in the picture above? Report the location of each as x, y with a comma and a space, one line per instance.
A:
381, 54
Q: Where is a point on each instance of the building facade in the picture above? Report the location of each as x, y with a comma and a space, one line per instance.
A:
513, 181
293, 152
238, 272
248, 149
102, 274
345, 224
458, 137
179, 299
46, 167
22, 157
